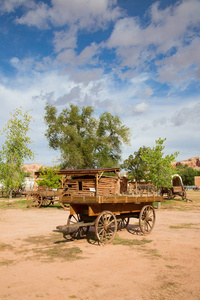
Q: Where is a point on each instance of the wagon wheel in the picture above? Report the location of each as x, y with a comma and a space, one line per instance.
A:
63, 205
123, 223
46, 202
147, 219
34, 200
184, 195
170, 194
76, 231
106, 227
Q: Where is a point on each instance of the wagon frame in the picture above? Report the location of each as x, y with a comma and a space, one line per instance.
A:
107, 215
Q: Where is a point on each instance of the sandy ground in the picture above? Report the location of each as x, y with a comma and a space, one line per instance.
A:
162, 265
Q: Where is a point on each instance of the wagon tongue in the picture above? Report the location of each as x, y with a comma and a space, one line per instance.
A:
59, 227
64, 228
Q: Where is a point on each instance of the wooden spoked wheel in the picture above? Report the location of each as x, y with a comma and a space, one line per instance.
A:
170, 194
34, 201
106, 227
147, 219
74, 229
63, 205
46, 202
61, 202
184, 195
123, 223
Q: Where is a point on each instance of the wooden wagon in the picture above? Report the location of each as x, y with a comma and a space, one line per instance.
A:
43, 197
177, 188
106, 211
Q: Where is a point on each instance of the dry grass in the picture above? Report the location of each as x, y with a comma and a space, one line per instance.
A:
49, 249
14, 203
5, 247
185, 226
192, 203
44, 248
127, 242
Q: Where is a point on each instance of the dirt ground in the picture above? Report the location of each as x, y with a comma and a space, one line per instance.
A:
36, 262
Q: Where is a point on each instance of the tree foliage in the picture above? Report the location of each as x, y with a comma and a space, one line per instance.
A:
49, 177
83, 140
159, 166
135, 166
15, 150
187, 174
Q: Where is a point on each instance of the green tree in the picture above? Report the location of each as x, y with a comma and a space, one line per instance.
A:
49, 178
187, 174
83, 140
135, 166
159, 166
15, 150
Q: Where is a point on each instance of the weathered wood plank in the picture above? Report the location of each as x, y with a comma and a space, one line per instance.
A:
81, 199
117, 208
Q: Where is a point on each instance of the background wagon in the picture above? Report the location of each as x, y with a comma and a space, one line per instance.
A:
43, 197
177, 188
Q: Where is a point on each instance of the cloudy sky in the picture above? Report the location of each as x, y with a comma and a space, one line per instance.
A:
138, 59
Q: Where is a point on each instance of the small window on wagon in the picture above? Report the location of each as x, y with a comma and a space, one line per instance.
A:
80, 186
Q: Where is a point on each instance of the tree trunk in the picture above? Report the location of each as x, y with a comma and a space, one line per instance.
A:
136, 186
10, 194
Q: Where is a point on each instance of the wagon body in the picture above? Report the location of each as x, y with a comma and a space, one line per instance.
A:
92, 205
107, 214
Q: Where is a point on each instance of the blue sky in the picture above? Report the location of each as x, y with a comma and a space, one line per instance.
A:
138, 59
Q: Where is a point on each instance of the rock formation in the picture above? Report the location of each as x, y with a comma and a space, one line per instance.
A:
193, 162
32, 168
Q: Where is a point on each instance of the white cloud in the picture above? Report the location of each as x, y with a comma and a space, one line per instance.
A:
91, 15
169, 118
8, 6
65, 39
174, 23
22, 66
39, 16
183, 66
140, 108
87, 75
74, 94
87, 56
189, 114
171, 32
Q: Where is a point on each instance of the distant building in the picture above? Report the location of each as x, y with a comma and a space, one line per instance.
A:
29, 183
197, 181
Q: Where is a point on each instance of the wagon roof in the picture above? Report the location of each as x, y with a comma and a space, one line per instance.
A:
84, 171
87, 171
